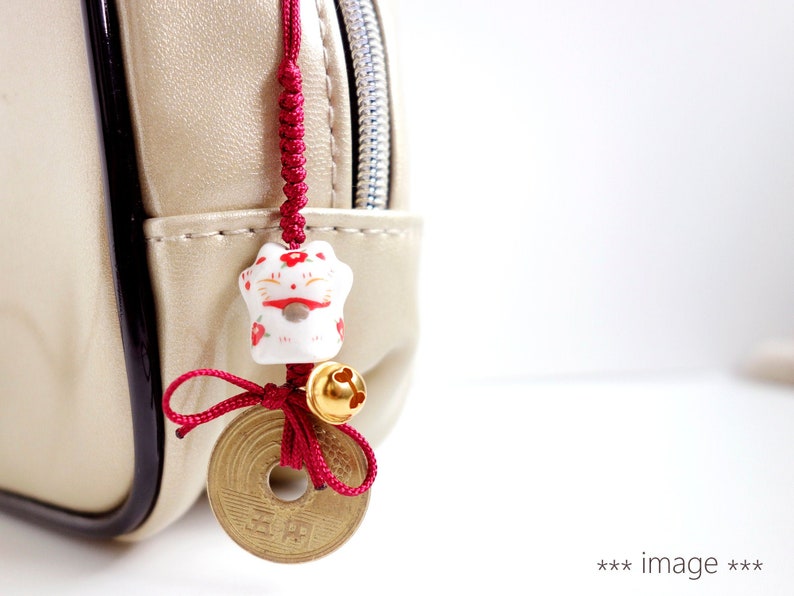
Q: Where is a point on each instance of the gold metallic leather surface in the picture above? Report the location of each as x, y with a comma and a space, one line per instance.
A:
203, 94
210, 164
65, 426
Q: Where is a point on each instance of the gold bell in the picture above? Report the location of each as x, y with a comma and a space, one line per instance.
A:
335, 392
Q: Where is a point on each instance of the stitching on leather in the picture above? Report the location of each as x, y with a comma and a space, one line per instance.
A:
253, 231
325, 36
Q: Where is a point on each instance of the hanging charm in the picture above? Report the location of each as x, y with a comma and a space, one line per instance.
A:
241, 497
295, 300
295, 295
338, 461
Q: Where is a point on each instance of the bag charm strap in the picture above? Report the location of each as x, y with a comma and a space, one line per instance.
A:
295, 294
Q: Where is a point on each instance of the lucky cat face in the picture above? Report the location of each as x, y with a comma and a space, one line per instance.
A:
309, 281
295, 300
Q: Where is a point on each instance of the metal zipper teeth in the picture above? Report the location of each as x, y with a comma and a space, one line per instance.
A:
372, 93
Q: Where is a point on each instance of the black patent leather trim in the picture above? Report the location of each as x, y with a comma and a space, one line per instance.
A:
125, 216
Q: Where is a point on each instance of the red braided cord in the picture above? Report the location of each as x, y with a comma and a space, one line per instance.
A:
299, 444
291, 129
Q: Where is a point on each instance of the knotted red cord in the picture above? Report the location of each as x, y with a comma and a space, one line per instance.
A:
291, 129
299, 442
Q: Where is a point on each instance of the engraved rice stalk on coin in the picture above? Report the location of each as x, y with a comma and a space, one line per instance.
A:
242, 500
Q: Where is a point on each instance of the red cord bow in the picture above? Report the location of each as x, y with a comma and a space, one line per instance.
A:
299, 444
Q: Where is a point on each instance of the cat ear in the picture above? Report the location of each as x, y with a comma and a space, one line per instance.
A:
320, 250
270, 251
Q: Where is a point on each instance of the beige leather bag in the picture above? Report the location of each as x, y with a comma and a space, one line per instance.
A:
140, 175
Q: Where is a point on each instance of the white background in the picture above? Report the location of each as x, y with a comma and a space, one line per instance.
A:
607, 189
609, 186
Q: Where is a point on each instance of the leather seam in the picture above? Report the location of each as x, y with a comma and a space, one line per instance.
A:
254, 231
325, 37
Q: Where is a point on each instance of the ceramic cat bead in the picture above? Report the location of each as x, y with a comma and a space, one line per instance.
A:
295, 300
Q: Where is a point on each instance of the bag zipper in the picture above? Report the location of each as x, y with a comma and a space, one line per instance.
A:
371, 82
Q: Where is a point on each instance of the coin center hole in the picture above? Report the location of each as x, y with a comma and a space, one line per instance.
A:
288, 484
